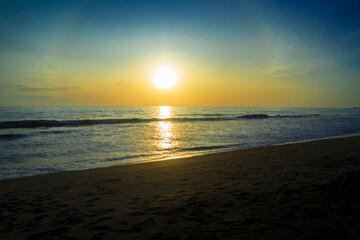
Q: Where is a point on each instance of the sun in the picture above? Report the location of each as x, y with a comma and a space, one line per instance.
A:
165, 77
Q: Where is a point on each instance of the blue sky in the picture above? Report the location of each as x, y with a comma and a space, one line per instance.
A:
58, 52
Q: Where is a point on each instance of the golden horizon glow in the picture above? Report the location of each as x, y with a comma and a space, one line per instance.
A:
165, 77
139, 53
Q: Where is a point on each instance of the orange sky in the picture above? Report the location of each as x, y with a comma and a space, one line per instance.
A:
229, 54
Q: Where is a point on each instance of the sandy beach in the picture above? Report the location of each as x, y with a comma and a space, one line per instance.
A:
297, 191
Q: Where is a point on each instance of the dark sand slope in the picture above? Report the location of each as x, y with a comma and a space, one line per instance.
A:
298, 191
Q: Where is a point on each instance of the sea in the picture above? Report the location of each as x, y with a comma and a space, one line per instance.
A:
39, 140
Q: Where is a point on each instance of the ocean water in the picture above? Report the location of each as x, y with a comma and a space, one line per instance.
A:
37, 140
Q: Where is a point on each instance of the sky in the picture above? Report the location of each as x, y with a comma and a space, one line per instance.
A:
260, 53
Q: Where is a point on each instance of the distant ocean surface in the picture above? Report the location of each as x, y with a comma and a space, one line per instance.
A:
37, 140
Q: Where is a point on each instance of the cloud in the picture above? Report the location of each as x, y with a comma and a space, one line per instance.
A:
40, 89
31, 100
123, 85
37, 89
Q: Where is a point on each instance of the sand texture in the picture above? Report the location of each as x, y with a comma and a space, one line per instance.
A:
297, 191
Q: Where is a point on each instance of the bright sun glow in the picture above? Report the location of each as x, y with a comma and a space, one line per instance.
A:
165, 77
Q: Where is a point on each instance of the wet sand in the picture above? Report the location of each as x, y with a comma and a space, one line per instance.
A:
297, 191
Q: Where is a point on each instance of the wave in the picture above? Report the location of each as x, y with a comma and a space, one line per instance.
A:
212, 114
125, 157
15, 136
90, 122
254, 116
9, 137
66, 123
297, 116
203, 148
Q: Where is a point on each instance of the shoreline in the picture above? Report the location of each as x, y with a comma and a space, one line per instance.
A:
194, 155
240, 149
302, 191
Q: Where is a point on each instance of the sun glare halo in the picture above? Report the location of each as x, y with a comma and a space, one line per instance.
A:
165, 77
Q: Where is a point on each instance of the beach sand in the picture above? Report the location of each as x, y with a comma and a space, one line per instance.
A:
296, 191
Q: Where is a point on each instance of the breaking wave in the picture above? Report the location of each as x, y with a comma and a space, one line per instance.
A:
90, 122
9, 137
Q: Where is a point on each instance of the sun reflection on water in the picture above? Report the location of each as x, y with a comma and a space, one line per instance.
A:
165, 130
164, 112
